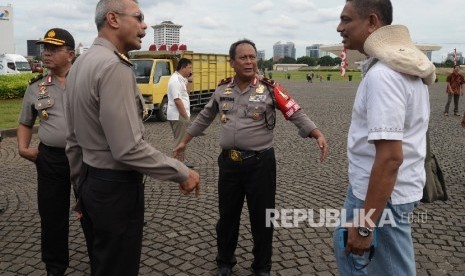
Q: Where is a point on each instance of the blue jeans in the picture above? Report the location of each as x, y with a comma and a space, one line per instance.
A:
394, 253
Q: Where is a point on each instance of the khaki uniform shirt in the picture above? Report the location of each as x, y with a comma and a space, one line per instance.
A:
246, 117
104, 112
44, 98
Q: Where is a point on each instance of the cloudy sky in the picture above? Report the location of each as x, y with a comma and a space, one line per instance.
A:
212, 25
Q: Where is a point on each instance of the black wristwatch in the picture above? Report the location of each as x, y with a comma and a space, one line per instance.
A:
364, 231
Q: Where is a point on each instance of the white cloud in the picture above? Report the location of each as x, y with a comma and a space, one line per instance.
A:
212, 25
263, 6
301, 5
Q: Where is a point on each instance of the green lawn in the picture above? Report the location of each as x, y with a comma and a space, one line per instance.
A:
302, 75
9, 113
10, 109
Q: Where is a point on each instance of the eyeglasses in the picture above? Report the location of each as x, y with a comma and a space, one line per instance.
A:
139, 16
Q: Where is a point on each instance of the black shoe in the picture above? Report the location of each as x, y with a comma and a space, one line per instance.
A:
262, 273
224, 271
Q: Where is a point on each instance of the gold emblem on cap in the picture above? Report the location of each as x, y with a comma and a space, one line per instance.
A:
44, 114
260, 89
51, 33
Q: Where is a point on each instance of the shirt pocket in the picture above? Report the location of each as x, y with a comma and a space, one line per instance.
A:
44, 103
226, 107
255, 111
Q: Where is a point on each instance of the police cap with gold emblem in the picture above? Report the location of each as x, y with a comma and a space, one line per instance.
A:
58, 37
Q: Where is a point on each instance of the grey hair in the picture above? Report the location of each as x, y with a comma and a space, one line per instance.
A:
106, 6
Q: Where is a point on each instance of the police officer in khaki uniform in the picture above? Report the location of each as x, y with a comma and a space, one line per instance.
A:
247, 166
108, 155
44, 99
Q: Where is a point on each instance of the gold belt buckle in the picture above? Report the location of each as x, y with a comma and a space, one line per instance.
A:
235, 155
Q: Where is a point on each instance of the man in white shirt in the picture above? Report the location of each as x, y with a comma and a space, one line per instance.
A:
178, 112
386, 143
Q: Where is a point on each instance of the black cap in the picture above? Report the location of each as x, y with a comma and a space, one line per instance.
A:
58, 37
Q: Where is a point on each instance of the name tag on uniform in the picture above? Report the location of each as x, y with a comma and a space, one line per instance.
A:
257, 98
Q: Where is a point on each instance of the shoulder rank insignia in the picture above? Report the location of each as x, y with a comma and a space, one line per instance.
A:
124, 59
36, 78
225, 81
268, 82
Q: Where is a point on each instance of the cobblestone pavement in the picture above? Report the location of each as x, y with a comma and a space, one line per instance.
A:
179, 238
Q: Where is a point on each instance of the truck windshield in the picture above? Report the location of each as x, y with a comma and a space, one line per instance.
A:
23, 66
142, 70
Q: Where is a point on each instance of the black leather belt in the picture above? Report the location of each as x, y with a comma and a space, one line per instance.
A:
51, 149
114, 175
240, 155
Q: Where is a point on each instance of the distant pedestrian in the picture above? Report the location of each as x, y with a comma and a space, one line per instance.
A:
455, 83
178, 112
309, 77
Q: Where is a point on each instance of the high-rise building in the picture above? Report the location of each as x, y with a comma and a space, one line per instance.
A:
261, 55
7, 38
166, 33
283, 49
33, 50
314, 51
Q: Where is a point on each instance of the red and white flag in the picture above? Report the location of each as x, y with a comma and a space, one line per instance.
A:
343, 62
455, 56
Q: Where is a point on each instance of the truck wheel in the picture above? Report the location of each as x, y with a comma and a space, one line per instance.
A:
161, 113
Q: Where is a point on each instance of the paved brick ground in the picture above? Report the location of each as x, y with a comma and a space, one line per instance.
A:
179, 238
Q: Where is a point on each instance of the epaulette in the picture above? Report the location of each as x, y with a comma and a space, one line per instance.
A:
124, 59
268, 82
36, 78
225, 81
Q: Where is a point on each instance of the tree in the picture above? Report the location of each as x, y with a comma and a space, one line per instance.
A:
265, 64
307, 60
287, 60
449, 63
326, 61
337, 61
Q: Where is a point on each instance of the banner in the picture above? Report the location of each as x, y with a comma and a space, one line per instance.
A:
343, 62
455, 56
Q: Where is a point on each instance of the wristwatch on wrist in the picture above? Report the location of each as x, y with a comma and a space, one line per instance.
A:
364, 231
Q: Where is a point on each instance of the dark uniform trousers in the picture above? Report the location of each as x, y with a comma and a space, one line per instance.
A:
255, 179
112, 203
53, 192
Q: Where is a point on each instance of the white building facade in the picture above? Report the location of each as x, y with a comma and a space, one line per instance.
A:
166, 33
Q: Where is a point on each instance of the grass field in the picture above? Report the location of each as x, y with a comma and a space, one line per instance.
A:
9, 109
